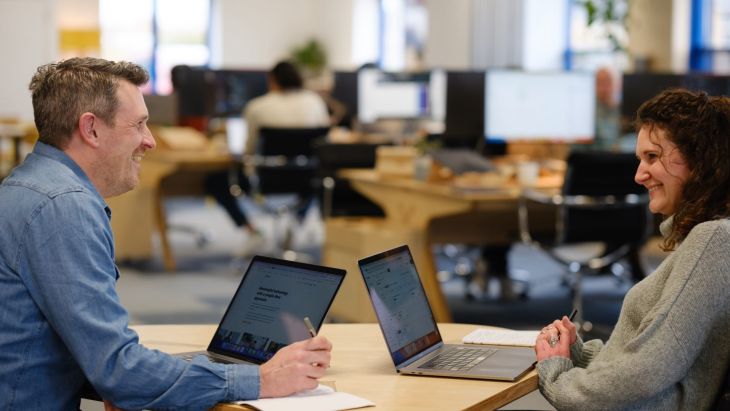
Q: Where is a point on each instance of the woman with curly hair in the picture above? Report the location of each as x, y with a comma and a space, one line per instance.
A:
669, 349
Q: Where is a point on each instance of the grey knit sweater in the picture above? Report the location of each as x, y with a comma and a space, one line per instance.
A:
671, 346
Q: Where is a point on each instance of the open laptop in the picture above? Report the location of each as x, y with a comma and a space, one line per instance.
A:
267, 312
410, 330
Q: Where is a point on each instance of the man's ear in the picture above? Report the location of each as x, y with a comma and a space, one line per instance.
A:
87, 129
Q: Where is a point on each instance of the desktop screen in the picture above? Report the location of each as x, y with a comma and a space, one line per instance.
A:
640, 87
555, 106
386, 95
232, 89
345, 91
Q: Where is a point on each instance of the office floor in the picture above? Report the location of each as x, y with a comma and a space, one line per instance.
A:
208, 276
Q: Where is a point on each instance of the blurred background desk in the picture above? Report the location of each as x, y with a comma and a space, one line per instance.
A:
361, 366
139, 213
419, 214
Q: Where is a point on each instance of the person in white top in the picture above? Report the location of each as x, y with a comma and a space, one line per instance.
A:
286, 105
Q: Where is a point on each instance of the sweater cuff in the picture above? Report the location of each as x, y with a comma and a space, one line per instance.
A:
548, 370
576, 349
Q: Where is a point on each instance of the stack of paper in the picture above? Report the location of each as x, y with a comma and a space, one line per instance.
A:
322, 398
501, 337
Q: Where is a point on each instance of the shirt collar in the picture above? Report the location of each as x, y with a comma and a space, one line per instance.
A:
54, 153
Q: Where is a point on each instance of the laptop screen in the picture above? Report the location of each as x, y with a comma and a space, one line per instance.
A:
400, 303
268, 309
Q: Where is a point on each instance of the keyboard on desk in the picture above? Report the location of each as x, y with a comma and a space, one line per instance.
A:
189, 357
458, 359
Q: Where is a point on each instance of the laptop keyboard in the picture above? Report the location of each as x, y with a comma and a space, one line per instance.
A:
190, 356
459, 359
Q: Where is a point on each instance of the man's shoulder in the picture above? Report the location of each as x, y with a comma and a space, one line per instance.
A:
44, 177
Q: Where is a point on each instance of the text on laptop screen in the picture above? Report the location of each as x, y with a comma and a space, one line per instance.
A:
400, 304
267, 311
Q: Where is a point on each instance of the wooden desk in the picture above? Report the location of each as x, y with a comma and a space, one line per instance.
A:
15, 133
419, 214
361, 366
136, 215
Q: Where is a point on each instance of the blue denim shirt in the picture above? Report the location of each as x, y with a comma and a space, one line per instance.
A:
61, 321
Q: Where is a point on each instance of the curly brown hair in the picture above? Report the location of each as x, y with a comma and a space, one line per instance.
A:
63, 91
699, 125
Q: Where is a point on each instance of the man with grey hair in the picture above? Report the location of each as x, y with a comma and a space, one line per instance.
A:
61, 322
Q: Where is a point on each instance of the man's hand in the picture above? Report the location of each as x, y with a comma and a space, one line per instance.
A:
295, 368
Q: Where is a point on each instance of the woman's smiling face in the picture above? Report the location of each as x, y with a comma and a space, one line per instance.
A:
662, 169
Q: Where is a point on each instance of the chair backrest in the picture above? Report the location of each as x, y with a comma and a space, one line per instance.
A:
601, 174
343, 200
295, 164
290, 142
333, 156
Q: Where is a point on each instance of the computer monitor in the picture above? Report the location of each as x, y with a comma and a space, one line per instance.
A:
464, 123
639, 87
345, 91
162, 109
232, 89
539, 106
389, 95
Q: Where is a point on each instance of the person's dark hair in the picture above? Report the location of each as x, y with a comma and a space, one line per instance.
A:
699, 125
62, 91
286, 76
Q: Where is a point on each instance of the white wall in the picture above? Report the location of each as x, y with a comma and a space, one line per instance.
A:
78, 14
448, 44
258, 33
27, 39
650, 32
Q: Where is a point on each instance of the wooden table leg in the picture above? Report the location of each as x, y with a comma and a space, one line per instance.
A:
168, 260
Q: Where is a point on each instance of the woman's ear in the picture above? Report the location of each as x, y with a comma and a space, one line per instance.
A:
87, 129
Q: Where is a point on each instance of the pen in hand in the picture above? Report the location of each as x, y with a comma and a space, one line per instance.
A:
572, 314
310, 327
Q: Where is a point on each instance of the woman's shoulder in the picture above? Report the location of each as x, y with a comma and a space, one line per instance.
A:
712, 227
713, 233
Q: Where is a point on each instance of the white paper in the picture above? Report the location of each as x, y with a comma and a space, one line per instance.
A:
501, 337
322, 398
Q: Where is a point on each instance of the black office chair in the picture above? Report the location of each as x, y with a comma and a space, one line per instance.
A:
285, 163
599, 202
337, 196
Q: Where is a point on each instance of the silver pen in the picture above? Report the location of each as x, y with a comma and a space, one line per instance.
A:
310, 327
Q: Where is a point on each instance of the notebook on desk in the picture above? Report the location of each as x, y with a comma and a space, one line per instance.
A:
268, 309
411, 333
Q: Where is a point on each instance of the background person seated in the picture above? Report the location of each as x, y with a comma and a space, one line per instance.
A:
286, 105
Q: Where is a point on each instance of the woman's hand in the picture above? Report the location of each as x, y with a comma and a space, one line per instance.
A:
555, 339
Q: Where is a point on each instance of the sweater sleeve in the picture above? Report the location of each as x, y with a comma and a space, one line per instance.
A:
583, 353
664, 347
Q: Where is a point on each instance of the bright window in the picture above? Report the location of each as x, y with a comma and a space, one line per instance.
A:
157, 34
403, 34
598, 36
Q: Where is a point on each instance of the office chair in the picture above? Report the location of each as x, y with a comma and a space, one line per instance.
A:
599, 202
285, 163
337, 196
